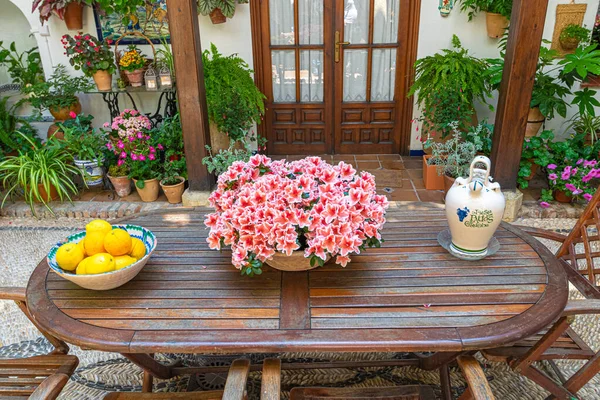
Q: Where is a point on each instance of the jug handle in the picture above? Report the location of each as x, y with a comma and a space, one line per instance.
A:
488, 165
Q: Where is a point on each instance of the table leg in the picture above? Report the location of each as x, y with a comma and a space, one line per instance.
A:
150, 365
445, 382
437, 360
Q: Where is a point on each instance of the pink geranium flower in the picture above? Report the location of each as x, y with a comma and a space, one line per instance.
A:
544, 204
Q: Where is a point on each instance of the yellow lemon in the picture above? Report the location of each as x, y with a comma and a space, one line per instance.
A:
100, 263
68, 256
94, 243
81, 270
117, 242
82, 247
98, 225
138, 249
123, 261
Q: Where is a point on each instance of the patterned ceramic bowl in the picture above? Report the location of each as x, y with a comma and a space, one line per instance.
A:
108, 280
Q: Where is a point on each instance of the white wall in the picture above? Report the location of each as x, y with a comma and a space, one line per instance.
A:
435, 33
14, 27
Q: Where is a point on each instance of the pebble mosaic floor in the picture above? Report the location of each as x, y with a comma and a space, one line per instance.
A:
21, 248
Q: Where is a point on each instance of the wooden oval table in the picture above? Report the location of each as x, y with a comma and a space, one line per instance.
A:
410, 295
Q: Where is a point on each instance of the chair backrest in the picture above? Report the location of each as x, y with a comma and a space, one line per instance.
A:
581, 249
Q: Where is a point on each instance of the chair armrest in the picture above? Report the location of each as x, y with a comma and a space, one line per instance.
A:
12, 293
581, 307
235, 386
50, 388
270, 388
479, 388
544, 234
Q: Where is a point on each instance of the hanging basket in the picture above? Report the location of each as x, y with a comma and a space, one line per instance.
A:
217, 16
149, 61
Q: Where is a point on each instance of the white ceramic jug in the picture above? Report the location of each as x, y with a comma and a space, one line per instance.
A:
474, 208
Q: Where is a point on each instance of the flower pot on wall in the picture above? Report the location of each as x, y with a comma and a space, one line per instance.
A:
569, 43
122, 185
535, 120
496, 24
149, 192
74, 16
431, 179
174, 192
217, 16
103, 80
135, 78
62, 114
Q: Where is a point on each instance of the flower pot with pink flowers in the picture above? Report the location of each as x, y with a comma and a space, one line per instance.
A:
294, 216
572, 182
92, 56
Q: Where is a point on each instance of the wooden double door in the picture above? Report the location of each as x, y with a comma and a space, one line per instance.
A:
336, 74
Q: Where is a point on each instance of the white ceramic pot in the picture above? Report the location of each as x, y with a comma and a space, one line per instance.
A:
474, 208
93, 172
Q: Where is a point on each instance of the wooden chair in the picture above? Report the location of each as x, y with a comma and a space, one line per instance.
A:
39, 377
235, 388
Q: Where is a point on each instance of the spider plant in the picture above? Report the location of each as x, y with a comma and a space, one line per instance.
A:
46, 169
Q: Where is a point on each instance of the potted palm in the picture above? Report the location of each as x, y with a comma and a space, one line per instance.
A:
43, 174
93, 57
497, 14
572, 35
234, 101
69, 11
219, 10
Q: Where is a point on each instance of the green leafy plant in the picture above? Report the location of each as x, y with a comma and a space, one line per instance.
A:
227, 7
83, 142
453, 157
234, 101
574, 31
473, 7
117, 171
587, 124
481, 137
88, 54
219, 162
164, 57
48, 165
24, 68
171, 174
446, 85
170, 135
123, 8
15, 132
535, 151
57, 92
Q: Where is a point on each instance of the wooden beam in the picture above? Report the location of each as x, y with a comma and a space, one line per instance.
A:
191, 92
524, 41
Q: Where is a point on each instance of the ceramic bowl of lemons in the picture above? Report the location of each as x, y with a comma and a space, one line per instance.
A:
128, 248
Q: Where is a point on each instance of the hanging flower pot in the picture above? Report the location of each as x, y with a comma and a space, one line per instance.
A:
149, 189
496, 24
569, 43
535, 120
74, 16
122, 185
135, 78
103, 80
294, 263
174, 192
217, 16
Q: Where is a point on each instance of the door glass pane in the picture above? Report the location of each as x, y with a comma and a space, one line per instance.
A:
281, 16
355, 75
383, 77
310, 19
284, 76
385, 21
311, 76
356, 21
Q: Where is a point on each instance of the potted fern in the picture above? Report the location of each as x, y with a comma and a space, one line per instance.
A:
219, 10
497, 14
572, 35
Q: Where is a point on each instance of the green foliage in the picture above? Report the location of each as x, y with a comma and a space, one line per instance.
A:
569, 151
574, 31
481, 137
124, 8
473, 7
57, 92
83, 142
453, 157
48, 165
227, 7
164, 57
170, 135
446, 86
47, 8
587, 124
117, 171
535, 151
88, 54
24, 68
10, 126
219, 163
234, 102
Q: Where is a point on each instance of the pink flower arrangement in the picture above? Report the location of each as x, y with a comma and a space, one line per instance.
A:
130, 124
579, 180
263, 207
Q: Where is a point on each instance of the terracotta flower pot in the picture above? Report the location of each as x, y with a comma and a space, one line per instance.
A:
535, 120
448, 182
174, 192
54, 130
122, 185
74, 16
569, 43
534, 168
149, 192
135, 78
44, 195
562, 197
103, 80
432, 180
217, 16
496, 24
294, 263
62, 114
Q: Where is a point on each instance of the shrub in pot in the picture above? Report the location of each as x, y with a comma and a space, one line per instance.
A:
572, 181
69, 11
119, 178
572, 35
93, 57
234, 102
144, 166
43, 174
497, 12
219, 10
172, 183
133, 64
23, 68
535, 153
15, 132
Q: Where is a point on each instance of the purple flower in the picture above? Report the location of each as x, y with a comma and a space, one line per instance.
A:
580, 161
565, 175
577, 191
152, 150
553, 177
151, 157
121, 145
120, 162
568, 169
131, 138
123, 155
591, 163
142, 157
587, 197
109, 145
551, 166
160, 147
134, 156
571, 187
139, 135
544, 204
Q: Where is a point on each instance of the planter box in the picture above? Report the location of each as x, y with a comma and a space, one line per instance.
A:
432, 180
